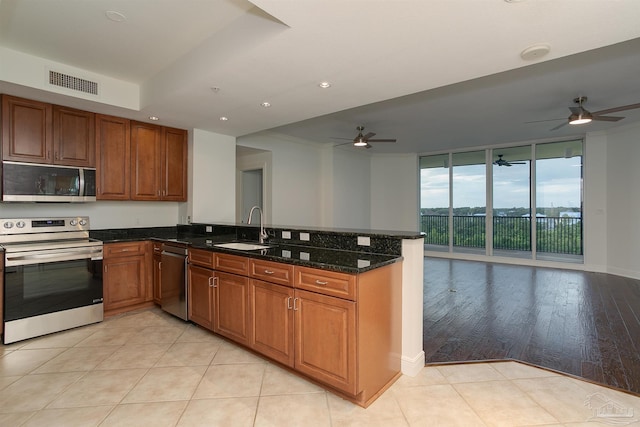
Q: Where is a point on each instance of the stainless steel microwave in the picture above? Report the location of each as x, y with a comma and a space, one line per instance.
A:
32, 182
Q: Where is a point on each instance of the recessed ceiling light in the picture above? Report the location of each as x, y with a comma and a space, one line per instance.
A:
265, 104
215, 89
154, 118
324, 85
534, 52
224, 118
115, 16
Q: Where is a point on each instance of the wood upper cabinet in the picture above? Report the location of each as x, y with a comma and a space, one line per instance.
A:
126, 275
174, 165
158, 162
113, 158
27, 130
73, 137
38, 132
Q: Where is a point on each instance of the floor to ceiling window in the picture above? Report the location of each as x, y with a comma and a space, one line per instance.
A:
535, 194
469, 201
511, 223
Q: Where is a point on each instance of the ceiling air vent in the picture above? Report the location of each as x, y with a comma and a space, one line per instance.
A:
74, 83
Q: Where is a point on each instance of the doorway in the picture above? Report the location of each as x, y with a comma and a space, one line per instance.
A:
253, 182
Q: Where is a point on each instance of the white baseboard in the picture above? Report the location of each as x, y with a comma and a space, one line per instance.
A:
412, 366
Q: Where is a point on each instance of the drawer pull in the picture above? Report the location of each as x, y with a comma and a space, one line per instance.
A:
320, 282
268, 272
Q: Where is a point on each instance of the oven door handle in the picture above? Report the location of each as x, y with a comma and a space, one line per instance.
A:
48, 257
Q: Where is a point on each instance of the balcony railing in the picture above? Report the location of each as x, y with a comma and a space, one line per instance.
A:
558, 235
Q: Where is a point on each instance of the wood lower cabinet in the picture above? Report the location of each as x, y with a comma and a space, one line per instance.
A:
2, 292
272, 321
325, 339
342, 330
231, 316
200, 294
126, 281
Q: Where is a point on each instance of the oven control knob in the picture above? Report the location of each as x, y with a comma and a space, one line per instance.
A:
20, 224
73, 222
83, 222
8, 224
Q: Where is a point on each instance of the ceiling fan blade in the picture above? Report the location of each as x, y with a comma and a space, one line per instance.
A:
546, 120
616, 109
607, 118
368, 146
559, 126
369, 135
381, 140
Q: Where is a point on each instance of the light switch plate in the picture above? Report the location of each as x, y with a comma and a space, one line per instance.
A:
364, 241
208, 229
304, 236
286, 234
304, 256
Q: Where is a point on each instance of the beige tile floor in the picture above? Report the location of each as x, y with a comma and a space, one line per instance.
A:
149, 369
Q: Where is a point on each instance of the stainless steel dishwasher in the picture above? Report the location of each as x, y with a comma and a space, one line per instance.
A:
173, 279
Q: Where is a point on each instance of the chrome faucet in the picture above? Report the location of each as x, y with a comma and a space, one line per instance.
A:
263, 235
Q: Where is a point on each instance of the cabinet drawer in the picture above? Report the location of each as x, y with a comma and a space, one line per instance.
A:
202, 258
232, 264
120, 249
273, 272
332, 283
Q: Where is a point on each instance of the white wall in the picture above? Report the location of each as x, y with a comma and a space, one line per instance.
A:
212, 174
296, 178
394, 192
595, 202
623, 200
102, 214
351, 183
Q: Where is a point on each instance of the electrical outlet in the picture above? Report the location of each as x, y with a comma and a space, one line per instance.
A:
286, 234
304, 256
208, 229
304, 236
364, 241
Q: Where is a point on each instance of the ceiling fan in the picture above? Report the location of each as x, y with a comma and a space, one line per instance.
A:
502, 162
363, 140
580, 115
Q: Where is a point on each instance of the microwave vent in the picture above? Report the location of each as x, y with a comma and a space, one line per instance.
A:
75, 83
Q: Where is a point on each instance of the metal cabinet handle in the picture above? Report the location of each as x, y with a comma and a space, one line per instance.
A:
268, 272
295, 307
289, 303
213, 282
320, 282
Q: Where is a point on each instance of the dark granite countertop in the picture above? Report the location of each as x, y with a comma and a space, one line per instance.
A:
346, 261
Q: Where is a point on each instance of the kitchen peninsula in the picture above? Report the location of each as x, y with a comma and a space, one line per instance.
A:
326, 304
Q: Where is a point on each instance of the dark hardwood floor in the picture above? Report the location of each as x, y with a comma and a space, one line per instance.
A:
580, 323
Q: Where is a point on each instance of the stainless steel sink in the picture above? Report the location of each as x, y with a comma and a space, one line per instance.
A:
242, 246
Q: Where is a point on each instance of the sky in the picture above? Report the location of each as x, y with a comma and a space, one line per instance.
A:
558, 184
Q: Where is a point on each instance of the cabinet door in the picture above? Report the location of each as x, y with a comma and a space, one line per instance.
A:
200, 304
174, 165
74, 140
231, 307
272, 320
27, 130
325, 331
146, 158
156, 266
113, 158
125, 281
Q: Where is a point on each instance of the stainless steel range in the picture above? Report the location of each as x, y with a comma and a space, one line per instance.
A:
52, 276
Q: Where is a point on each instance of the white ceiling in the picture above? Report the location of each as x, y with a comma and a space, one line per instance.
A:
435, 74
